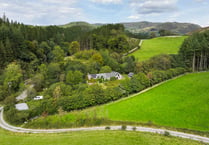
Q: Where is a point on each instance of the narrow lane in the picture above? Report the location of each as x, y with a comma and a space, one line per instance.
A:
6, 126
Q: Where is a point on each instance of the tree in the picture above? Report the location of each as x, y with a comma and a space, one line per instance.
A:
57, 92
13, 77
160, 62
74, 77
163, 32
2, 93
118, 44
38, 81
98, 58
152, 35
43, 70
58, 54
74, 47
95, 95
105, 69
2, 54
195, 51
128, 64
139, 82
53, 72
44, 45
126, 86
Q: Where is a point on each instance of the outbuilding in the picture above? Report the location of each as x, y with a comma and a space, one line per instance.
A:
131, 74
38, 98
21, 106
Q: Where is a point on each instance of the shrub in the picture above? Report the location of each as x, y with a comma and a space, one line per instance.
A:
134, 128
166, 133
107, 128
149, 123
123, 127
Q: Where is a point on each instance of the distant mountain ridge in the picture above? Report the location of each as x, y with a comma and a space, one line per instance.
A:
199, 30
146, 27
175, 27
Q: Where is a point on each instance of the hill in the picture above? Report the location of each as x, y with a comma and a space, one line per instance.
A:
145, 27
178, 103
82, 24
160, 45
199, 30
175, 27
92, 138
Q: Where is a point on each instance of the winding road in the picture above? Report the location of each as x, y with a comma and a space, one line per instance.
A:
6, 126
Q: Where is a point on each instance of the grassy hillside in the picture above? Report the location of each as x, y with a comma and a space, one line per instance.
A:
156, 46
91, 138
179, 103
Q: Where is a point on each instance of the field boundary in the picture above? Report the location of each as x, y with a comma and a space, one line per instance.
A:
11, 128
136, 48
145, 90
149, 88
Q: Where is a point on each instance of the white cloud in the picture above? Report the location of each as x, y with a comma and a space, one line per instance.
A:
134, 17
154, 6
199, 0
41, 11
107, 1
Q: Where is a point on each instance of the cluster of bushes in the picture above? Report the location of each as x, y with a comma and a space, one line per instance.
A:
141, 81
62, 96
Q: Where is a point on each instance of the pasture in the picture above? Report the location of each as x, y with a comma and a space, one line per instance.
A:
160, 45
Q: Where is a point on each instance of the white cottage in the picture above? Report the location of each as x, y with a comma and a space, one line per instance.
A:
105, 76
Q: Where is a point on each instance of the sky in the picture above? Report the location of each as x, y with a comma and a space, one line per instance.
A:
57, 12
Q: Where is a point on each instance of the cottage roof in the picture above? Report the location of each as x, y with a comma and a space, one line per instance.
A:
130, 74
105, 75
21, 106
93, 75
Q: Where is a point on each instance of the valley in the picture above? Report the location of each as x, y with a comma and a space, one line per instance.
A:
79, 83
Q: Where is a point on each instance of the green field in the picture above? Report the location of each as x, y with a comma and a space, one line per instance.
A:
92, 138
160, 45
179, 103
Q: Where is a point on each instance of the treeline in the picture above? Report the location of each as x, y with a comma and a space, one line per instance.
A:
26, 44
112, 37
72, 70
31, 46
195, 51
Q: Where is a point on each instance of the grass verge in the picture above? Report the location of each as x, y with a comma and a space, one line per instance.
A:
92, 138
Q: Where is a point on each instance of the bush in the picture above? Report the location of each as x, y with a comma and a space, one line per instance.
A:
123, 127
107, 128
166, 133
134, 128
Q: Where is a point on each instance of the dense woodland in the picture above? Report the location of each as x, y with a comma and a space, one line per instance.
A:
195, 51
56, 62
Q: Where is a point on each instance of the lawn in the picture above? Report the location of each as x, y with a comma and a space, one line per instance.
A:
160, 45
91, 138
179, 103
